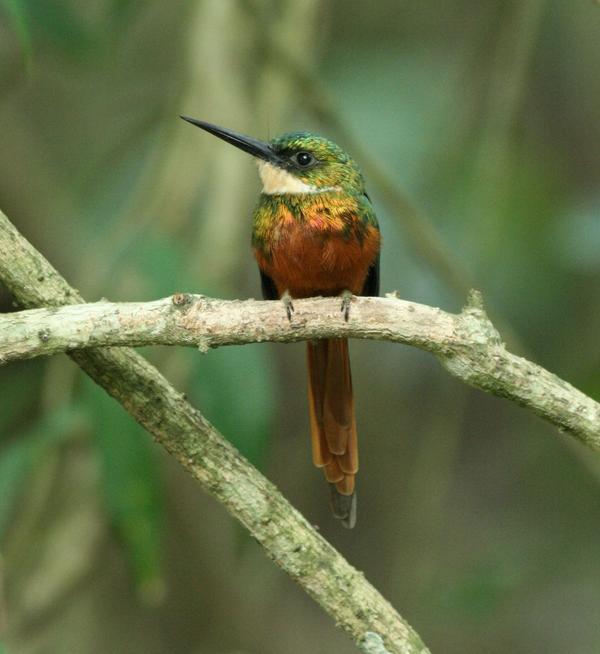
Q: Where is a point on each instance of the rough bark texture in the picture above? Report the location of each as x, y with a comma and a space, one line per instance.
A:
466, 344
288, 539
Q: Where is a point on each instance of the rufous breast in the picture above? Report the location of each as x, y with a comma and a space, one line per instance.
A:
322, 253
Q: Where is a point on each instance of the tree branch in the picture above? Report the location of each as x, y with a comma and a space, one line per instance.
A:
293, 544
467, 344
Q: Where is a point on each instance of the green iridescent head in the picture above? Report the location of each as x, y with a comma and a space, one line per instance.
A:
299, 162
312, 160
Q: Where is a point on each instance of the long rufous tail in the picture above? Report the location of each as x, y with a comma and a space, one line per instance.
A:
332, 423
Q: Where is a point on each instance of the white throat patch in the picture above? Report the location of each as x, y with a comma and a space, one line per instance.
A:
277, 181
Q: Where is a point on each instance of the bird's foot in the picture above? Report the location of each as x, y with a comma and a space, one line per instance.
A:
286, 298
347, 297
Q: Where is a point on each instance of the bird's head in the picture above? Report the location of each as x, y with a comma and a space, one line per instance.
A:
295, 163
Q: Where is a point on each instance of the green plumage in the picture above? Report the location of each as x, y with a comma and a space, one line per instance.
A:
334, 168
338, 191
315, 233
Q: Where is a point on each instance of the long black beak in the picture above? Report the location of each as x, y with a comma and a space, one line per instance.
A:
246, 143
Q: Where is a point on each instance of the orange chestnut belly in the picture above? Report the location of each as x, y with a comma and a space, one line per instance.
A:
306, 263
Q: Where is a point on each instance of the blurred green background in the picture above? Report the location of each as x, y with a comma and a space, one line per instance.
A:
477, 520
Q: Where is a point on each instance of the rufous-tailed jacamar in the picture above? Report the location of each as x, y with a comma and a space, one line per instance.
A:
315, 233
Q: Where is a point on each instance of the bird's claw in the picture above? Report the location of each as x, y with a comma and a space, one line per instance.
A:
286, 298
346, 302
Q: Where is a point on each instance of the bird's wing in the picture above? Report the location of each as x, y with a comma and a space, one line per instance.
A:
269, 290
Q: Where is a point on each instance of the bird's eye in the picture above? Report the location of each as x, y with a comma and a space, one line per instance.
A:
304, 159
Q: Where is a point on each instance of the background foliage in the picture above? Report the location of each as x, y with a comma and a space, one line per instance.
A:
477, 520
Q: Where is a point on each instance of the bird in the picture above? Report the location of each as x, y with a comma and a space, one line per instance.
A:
315, 233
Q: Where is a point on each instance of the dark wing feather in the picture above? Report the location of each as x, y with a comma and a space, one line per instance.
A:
371, 286
269, 290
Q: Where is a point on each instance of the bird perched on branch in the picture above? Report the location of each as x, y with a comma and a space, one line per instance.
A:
315, 233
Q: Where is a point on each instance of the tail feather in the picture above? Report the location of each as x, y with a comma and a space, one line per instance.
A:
316, 391
348, 461
333, 472
332, 421
338, 403
343, 507
346, 485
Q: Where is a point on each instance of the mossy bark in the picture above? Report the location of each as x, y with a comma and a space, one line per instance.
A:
289, 540
467, 344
